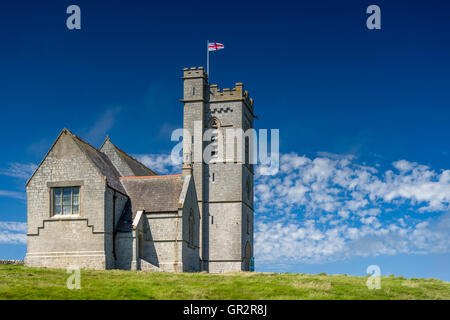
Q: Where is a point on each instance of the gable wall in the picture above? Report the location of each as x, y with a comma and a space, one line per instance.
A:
115, 158
60, 241
126, 166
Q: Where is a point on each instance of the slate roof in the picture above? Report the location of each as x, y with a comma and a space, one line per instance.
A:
136, 167
146, 191
153, 193
102, 162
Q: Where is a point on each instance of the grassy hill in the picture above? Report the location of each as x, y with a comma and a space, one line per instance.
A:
19, 282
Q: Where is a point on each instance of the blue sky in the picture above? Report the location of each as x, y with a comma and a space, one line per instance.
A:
363, 114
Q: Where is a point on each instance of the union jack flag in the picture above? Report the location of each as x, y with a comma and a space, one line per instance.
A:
214, 46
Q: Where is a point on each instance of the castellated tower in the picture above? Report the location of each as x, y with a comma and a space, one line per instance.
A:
224, 188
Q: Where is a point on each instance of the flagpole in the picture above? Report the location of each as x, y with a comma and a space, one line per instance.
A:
207, 57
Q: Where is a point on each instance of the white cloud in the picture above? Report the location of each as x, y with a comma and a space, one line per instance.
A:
338, 184
13, 232
332, 208
311, 242
13, 226
19, 170
160, 163
13, 194
12, 238
404, 165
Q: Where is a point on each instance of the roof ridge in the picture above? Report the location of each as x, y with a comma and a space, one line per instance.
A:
103, 158
155, 176
127, 155
86, 143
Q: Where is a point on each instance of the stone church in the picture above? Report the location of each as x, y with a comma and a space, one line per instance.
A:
103, 209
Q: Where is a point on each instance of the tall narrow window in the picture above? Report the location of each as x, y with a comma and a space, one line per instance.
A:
214, 143
141, 245
66, 201
247, 256
246, 143
247, 151
214, 125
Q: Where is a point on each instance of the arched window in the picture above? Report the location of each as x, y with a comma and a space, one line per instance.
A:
249, 223
191, 228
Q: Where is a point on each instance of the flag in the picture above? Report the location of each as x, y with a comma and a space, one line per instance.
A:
214, 46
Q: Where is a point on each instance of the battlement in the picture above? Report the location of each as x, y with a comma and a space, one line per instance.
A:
237, 93
214, 93
194, 73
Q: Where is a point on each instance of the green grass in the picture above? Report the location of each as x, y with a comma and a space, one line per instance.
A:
19, 282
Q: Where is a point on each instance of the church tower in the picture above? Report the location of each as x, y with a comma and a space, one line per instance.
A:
223, 180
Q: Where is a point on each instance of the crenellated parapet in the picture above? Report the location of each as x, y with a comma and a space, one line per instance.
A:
196, 88
237, 93
194, 73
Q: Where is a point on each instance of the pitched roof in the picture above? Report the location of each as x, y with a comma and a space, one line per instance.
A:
97, 158
126, 164
154, 193
102, 162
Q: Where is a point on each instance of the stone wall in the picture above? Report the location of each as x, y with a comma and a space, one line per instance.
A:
60, 241
161, 241
125, 251
190, 251
217, 194
221, 187
114, 204
165, 242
